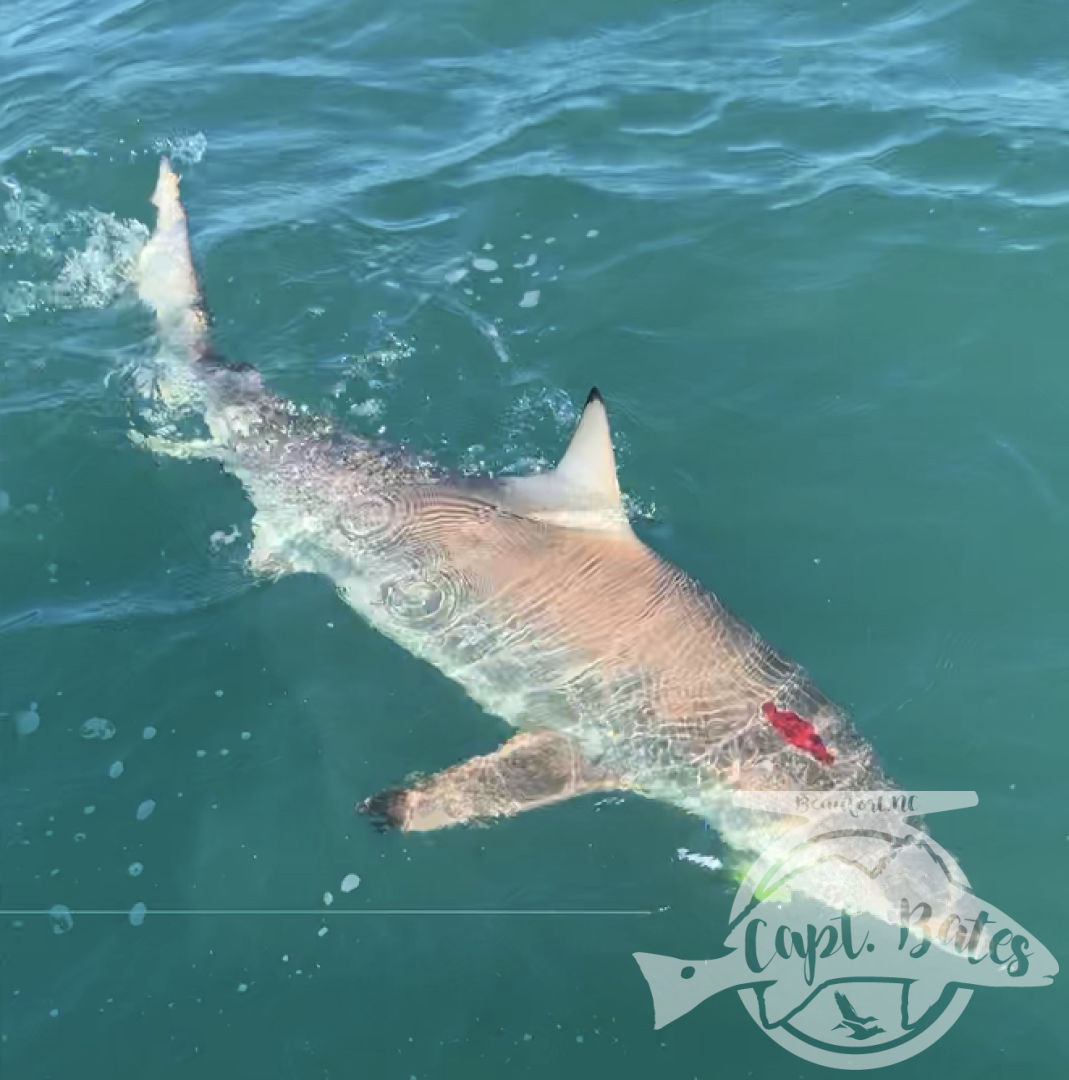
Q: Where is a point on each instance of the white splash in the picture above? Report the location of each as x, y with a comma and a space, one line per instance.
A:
62, 260
183, 149
221, 538
487, 266
710, 862
371, 408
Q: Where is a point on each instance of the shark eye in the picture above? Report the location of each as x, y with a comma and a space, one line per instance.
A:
687, 972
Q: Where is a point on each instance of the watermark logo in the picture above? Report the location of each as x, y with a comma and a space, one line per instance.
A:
855, 940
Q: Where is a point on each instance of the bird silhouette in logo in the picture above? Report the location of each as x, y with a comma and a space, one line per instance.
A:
857, 1024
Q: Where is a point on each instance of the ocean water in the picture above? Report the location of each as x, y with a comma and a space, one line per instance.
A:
817, 259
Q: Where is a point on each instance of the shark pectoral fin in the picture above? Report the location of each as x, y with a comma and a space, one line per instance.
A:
532, 769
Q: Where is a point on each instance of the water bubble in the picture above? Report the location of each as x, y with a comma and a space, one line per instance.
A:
61, 918
487, 266
5, 502
145, 808
183, 149
149, 732
27, 721
530, 298
349, 882
328, 898
96, 727
135, 869
137, 914
116, 769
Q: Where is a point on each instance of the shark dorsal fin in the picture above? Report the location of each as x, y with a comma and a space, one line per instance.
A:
582, 492
589, 463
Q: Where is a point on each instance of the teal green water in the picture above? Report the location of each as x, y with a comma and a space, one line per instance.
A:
816, 259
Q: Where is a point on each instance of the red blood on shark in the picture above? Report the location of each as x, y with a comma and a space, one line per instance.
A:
798, 732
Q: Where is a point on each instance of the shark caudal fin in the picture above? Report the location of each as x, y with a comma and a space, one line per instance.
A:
166, 280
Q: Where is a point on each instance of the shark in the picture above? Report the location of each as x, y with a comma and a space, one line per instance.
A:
615, 669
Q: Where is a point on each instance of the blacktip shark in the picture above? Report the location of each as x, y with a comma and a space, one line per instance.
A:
617, 671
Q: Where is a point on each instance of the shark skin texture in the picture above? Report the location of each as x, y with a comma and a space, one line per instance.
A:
616, 669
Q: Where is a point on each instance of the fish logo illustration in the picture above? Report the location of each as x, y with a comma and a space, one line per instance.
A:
855, 940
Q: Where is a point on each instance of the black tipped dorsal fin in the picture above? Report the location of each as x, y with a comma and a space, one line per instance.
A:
582, 492
589, 462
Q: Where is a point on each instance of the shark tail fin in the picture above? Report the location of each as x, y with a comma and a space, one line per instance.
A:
166, 279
